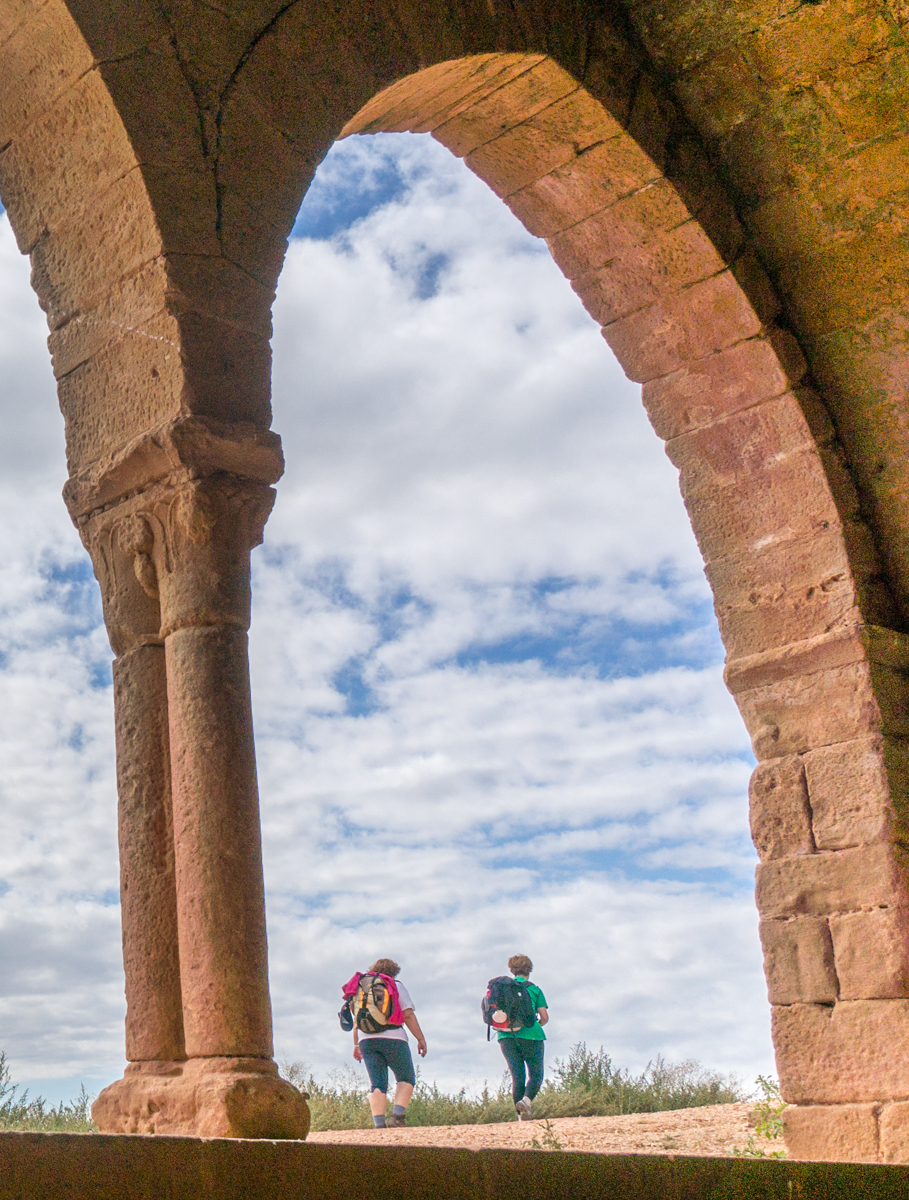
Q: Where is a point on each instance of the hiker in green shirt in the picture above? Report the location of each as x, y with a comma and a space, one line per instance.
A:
523, 1049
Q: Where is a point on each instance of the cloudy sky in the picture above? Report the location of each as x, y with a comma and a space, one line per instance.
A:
486, 675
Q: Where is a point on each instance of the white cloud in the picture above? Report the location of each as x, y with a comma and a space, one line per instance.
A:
486, 677
480, 542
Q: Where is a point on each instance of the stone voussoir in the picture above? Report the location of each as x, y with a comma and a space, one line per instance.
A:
832, 881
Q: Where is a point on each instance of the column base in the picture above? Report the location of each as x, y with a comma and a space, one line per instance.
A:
203, 1097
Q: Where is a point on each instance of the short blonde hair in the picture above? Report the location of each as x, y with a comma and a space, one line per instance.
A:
385, 966
520, 964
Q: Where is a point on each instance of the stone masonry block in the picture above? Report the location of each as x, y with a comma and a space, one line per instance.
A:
704, 318
584, 185
134, 303
133, 384
439, 94
837, 881
210, 286
752, 509
784, 593
118, 29
720, 384
39, 170
251, 241
45, 54
796, 714
798, 961
832, 1132
227, 371
519, 100
894, 1126
753, 439
778, 809
216, 288
816, 40
668, 263
871, 951
81, 261
711, 205
632, 222
755, 282
849, 793
186, 202
172, 138
536, 146
275, 184
854, 1051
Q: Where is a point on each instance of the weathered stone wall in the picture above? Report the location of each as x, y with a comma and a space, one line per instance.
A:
95, 1167
725, 186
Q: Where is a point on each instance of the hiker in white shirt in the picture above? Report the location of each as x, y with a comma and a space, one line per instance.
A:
379, 1051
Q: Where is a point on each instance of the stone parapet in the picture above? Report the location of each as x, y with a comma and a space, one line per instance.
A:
75, 1167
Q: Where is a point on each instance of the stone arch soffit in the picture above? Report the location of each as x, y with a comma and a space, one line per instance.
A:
664, 267
76, 195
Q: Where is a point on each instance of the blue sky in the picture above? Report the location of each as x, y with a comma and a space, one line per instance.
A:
487, 678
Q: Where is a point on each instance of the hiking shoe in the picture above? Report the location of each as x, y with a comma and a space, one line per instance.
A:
396, 1122
523, 1109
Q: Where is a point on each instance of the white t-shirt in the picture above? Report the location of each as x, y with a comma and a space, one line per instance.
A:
399, 1034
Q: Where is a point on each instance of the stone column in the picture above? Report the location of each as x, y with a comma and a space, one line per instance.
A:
119, 547
205, 601
148, 895
170, 525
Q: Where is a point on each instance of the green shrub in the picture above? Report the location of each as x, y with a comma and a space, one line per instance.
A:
584, 1085
20, 1113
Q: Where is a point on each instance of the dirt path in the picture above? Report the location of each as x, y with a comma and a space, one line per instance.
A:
718, 1130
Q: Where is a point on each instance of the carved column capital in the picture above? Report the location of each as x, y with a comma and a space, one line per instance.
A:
121, 546
204, 531
169, 522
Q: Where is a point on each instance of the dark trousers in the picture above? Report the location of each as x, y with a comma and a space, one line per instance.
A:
381, 1053
525, 1062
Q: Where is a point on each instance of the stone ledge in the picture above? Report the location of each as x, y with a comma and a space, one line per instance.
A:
41, 1166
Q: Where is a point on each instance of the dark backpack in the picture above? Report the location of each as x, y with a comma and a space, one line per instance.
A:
372, 1005
507, 1006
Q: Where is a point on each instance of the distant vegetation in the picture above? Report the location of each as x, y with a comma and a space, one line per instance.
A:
586, 1084
18, 1111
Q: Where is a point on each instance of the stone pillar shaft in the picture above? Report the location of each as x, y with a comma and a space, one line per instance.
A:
217, 845
148, 896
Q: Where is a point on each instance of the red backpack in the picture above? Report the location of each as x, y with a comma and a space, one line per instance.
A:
372, 1004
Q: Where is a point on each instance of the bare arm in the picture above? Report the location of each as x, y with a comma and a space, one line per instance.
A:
543, 1015
357, 1053
410, 1020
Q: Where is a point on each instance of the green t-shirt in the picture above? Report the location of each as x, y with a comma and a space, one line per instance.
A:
535, 1032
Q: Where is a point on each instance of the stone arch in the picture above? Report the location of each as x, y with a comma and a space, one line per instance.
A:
157, 228
635, 217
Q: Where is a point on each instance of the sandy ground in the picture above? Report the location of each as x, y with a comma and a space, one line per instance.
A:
721, 1129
